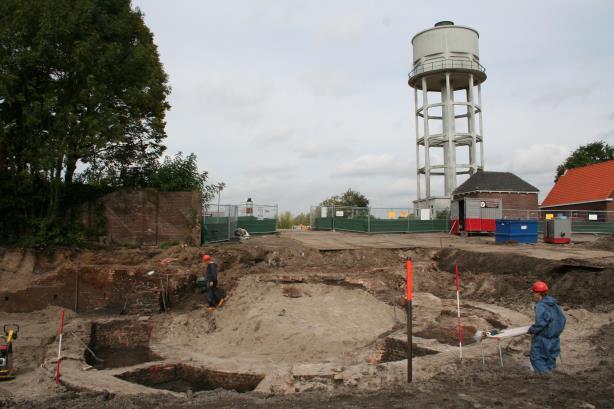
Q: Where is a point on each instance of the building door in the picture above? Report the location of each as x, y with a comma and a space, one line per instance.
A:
461, 214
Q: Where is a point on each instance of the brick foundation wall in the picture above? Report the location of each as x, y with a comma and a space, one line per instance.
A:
89, 290
120, 334
395, 349
200, 378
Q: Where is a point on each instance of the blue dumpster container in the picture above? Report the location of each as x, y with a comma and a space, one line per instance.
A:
516, 231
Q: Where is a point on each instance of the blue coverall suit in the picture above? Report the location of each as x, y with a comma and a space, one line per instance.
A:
211, 277
545, 344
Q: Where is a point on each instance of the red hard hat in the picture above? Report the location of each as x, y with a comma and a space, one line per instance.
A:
540, 287
206, 257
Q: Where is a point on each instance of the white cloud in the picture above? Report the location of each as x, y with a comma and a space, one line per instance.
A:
312, 150
538, 158
235, 91
347, 27
374, 165
271, 138
326, 83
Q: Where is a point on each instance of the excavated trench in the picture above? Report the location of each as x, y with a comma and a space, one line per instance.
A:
119, 343
184, 378
335, 317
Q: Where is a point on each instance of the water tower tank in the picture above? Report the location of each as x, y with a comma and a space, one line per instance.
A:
446, 77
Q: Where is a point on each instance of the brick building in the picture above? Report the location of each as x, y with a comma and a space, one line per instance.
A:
518, 197
588, 188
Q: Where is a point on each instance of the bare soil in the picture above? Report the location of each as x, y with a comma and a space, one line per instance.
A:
290, 303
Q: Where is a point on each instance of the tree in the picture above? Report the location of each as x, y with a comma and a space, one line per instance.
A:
81, 82
350, 198
585, 155
178, 174
285, 220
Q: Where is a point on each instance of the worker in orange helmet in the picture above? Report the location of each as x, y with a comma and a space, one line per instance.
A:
549, 324
211, 278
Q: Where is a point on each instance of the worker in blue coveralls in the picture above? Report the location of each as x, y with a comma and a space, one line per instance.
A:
211, 277
549, 324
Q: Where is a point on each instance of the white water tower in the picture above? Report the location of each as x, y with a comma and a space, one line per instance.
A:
446, 78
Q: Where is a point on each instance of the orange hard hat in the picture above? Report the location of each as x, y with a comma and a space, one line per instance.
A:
540, 287
206, 257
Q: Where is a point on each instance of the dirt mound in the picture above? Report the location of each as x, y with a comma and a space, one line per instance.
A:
297, 323
602, 243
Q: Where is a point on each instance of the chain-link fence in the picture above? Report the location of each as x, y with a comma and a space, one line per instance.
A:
257, 218
408, 220
582, 221
378, 220
219, 222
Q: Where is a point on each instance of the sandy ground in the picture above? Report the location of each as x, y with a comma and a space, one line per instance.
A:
313, 322
295, 323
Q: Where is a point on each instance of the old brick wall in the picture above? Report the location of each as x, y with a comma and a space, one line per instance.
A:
120, 334
148, 217
89, 289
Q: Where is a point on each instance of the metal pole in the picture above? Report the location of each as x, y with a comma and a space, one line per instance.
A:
427, 160
481, 127
409, 296
417, 118
368, 220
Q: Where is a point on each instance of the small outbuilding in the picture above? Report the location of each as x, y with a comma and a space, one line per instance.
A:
589, 188
498, 195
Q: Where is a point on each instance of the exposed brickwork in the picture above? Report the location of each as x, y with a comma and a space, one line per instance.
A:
89, 290
148, 217
199, 378
395, 349
120, 334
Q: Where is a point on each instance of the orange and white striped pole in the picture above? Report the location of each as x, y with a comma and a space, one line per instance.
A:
460, 328
408, 303
57, 364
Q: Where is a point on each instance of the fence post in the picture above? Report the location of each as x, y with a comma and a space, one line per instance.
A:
408, 218
333, 217
368, 220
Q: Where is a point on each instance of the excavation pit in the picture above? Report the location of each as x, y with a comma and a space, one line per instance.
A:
395, 349
119, 343
109, 358
184, 378
448, 335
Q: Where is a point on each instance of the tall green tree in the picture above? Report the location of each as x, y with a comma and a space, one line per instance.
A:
585, 155
349, 198
81, 84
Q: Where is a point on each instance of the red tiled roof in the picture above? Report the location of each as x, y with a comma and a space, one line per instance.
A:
589, 183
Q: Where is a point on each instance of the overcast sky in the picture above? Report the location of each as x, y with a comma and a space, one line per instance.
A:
290, 102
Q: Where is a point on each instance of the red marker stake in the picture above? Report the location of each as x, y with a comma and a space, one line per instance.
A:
57, 364
460, 328
409, 299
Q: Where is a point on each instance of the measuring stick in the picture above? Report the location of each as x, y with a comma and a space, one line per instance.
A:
409, 299
57, 364
460, 328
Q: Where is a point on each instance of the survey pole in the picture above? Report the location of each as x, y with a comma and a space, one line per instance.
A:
408, 303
